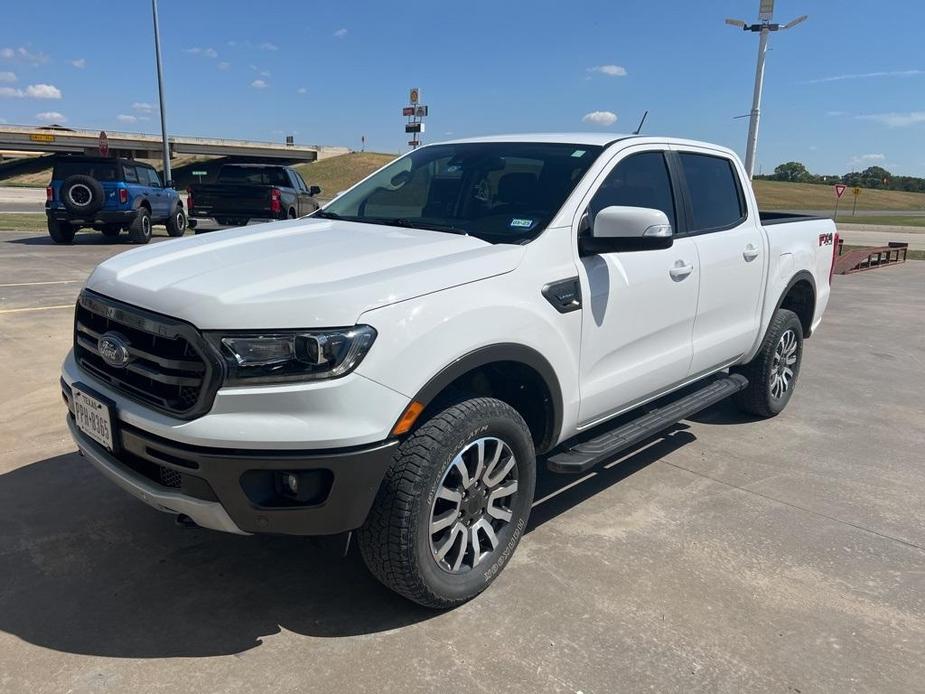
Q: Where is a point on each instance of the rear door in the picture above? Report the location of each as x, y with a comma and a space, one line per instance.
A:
638, 318
733, 257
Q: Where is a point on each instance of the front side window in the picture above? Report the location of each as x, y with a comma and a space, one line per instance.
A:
501, 192
640, 180
715, 197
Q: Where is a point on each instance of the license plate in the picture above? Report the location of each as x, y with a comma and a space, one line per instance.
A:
94, 417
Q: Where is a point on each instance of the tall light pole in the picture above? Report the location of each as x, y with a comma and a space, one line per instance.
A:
160, 94
763, 28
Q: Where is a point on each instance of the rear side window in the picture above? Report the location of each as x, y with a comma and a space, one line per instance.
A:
715, 196
640, 180
130, 174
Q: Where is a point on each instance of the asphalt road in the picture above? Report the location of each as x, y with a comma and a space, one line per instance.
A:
729, 555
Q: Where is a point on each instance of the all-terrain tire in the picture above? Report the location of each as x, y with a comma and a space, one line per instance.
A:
177, 222
140, 229
61, 232
82, 195
781, 351
397, 540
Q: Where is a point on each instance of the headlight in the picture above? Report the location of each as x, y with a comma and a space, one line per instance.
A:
292, 355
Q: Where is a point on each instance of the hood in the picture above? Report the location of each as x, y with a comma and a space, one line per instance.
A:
301, 274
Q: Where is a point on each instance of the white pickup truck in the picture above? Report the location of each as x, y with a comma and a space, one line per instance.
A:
396, 363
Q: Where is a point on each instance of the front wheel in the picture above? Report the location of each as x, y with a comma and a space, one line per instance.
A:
453, 505
772, 373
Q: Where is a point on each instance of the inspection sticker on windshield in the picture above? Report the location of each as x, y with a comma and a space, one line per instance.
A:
579, 153
522, 223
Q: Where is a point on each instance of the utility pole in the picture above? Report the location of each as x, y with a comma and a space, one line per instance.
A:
160, 94
763, 28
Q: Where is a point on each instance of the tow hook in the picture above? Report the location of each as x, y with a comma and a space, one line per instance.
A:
185, 521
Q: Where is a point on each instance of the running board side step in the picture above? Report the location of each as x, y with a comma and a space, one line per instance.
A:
583, 456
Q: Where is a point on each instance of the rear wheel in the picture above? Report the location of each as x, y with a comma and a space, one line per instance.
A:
772, 374
453, 505
140, 229
61, 232
176, 223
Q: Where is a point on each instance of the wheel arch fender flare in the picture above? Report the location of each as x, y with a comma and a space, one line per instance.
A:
801, 276
495, 353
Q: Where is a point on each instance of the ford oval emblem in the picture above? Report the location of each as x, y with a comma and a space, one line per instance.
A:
113, 348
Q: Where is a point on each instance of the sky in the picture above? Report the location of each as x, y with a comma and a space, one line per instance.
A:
843, 91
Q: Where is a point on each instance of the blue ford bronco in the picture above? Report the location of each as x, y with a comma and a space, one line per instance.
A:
110, 195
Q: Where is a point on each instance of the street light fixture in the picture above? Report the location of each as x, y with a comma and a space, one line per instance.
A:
763, 28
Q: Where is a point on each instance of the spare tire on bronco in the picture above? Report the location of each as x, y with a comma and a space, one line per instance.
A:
82, 195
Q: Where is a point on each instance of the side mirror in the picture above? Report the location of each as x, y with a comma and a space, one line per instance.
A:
620, 228
314, 190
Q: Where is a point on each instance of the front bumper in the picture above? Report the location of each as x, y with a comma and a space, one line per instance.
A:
238, 490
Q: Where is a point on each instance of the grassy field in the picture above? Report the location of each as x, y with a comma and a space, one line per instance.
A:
777, 195
339, 173
22, 222
892, 220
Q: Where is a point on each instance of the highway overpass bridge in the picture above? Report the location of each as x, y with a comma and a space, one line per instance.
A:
56, 139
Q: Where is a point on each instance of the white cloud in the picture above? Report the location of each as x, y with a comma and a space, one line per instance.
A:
866, 75
264, 73
43, 91
601, 118
205, 52
301, 90
896, 120
865, 160
126, 118
79, 63
51, 117
142, 107
268, 46
224, 66
836, 114
7, 77
33, 91
340, 33
259, 84
609, 70
23, 55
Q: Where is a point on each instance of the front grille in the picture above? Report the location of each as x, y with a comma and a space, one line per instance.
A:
170, 366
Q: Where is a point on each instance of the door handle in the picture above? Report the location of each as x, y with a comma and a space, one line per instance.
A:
680, 270
750, 253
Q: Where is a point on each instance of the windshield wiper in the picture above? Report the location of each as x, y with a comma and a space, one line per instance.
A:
415, 224
326, 215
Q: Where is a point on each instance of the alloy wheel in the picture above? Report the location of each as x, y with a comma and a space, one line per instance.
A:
473, 504
785, 358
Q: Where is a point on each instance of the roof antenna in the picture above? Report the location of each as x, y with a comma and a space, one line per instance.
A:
636, 132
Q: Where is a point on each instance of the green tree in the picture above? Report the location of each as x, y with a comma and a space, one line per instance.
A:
792, 171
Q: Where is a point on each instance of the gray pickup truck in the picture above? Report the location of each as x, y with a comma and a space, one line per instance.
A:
242, 192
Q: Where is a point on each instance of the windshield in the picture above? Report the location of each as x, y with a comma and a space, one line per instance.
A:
502, 192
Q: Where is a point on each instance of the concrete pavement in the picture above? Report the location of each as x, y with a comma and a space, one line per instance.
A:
730, 555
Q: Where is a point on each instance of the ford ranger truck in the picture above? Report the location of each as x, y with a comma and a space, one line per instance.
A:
397, 364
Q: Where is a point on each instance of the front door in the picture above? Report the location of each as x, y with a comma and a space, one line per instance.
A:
638, 316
